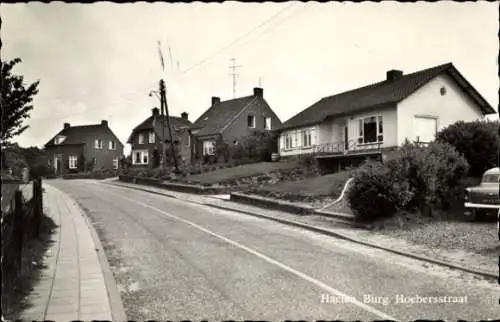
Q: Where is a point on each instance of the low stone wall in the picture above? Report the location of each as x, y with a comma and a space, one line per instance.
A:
174, 186
271, 203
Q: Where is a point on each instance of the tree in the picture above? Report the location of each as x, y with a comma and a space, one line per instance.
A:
477, 141
16, 101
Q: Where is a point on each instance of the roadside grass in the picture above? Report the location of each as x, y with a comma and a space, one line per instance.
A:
16, 286
326, 187
242, 171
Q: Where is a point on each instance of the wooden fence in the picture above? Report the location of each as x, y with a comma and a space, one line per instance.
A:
20, 223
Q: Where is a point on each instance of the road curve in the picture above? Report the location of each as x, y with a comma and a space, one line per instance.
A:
178, 260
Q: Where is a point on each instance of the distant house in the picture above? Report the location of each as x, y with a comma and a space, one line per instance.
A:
345, 128
84, 147
146, 139
228, 121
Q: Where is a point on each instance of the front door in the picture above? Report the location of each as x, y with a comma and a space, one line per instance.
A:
346, 138
58, 164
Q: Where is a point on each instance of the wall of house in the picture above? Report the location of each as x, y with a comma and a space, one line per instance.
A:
239, 127
65, 151
428, 101
390, 126
297, 136
104, 157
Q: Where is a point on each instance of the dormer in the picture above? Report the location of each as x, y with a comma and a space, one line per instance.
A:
59, 139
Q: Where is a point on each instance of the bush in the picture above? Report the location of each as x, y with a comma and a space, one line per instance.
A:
378, 192
412, 178
477, 141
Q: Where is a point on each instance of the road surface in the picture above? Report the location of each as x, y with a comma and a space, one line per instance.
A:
175, 260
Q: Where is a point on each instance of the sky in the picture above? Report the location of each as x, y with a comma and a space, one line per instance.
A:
100, 61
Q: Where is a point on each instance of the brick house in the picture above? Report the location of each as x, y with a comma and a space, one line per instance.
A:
146, 137
84, 148
230, 120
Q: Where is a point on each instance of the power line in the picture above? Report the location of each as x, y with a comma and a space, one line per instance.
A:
237, 40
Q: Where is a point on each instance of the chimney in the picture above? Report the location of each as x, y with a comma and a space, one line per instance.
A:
184, 115
155, 111
257, 91
215, 100
66, 125
394, 74
104, 122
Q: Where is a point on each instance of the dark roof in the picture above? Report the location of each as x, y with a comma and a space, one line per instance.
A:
76, 134
220, 115
379, 94
177, 124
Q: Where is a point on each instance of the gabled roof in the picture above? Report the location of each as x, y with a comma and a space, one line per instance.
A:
76, 134
221, 114
379, 94
154, 122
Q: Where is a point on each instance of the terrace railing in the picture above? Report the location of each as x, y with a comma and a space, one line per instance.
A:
343, 147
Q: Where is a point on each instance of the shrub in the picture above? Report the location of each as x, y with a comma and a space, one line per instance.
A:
378, 192
435, 173
478, 141
412, 178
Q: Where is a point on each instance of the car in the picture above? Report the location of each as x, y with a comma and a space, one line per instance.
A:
484, 199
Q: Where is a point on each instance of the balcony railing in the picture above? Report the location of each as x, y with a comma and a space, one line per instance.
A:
343, 147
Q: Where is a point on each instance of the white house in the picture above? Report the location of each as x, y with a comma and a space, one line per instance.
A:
346, 128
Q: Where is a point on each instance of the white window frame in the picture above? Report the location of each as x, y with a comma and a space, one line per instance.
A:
73, 161
144, 155
112, 145
267, 123
59, 139
141, 138
379, 121
208, 147
151, 138
307, 139
115, 163
252, 126
98, 143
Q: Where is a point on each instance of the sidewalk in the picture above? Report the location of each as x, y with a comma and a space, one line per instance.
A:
334, 226
73, 284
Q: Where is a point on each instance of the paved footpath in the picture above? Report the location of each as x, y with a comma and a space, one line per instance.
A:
76, 283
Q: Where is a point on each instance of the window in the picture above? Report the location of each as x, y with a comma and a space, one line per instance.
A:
140, 157
290, 141
115, 163
208, 147
59, 139
73, 161
98, 144
371, 130
306, 139
251, 121
188, 140
141, 138
267, 123
151, 137
112, 145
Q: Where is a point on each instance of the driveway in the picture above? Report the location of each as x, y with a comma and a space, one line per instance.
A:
177, 260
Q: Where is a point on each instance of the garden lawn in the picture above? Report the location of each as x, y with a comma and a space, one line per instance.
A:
242, 171
317, 191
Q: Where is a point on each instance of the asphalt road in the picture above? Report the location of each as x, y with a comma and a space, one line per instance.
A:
177, 260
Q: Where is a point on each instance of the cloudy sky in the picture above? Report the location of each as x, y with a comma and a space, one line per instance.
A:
100, 61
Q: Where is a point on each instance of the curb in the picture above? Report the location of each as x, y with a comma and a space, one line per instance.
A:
115, 301
332, 233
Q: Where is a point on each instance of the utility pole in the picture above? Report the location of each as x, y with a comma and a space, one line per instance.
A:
164, 112
234, 74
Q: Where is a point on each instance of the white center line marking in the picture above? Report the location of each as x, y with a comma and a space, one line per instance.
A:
303, 276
